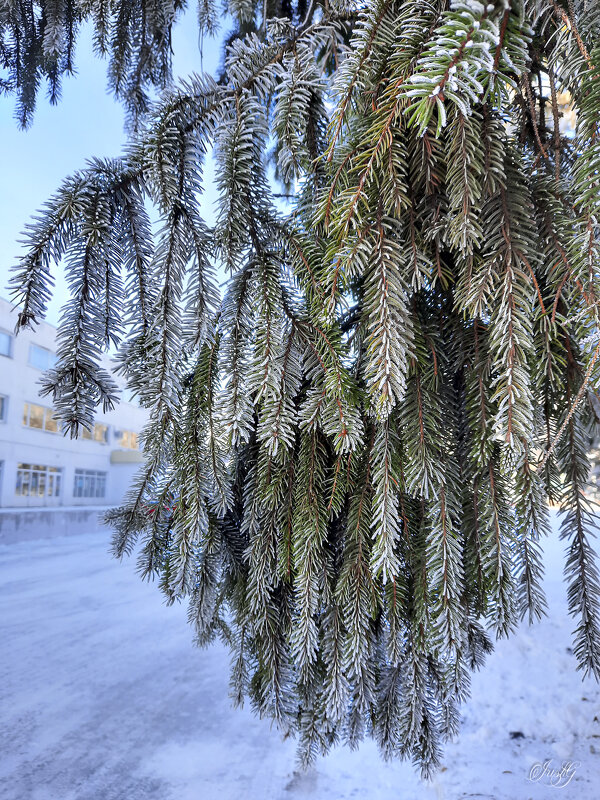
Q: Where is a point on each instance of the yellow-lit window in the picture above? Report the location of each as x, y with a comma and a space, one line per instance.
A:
36, 416
39, 417
50, 422
99, 433
129, 439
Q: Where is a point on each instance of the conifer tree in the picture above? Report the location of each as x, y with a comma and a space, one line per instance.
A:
351, 449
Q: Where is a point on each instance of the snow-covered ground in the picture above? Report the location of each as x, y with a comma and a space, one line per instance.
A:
103, 697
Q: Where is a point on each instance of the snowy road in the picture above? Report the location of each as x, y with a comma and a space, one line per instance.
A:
103, 697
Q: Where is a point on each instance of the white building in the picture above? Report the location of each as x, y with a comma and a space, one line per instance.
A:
38, 465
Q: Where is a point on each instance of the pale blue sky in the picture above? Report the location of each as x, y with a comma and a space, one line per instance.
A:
87, 122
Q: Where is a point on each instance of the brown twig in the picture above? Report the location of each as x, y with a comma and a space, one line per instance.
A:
574, 404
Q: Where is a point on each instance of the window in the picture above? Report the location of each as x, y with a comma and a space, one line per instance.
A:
37, 480
127, 439
3, 407
89, 483
40, 357
5, 344
43, 419
99, 433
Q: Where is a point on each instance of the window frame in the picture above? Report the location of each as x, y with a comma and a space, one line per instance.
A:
89, 484
51, 356
39, 476
47, 414
95, 435
10, 343
128, 436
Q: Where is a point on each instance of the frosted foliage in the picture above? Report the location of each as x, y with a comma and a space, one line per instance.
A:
368, 377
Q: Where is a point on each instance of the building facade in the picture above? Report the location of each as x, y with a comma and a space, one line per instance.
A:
39, 467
